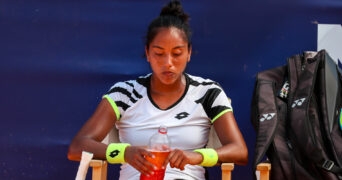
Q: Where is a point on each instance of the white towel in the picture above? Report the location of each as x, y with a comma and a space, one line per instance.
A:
84, 165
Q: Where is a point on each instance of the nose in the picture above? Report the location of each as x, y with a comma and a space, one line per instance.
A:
168, 60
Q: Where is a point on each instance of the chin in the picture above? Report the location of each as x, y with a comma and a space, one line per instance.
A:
169, 81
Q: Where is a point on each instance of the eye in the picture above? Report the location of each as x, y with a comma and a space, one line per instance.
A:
177, 53
157, 51
158, 54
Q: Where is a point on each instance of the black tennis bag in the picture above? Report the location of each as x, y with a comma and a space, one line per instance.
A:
296, 113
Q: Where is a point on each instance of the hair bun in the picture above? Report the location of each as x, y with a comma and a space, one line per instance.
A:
174, 8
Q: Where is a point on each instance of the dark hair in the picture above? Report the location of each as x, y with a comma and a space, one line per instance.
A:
171, 15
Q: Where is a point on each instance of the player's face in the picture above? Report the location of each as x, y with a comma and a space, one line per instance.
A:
168, 54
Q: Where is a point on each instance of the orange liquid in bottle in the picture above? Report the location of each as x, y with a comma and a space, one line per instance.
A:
160, 157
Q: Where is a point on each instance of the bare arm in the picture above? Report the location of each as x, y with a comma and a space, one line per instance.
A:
233, 148
93, 132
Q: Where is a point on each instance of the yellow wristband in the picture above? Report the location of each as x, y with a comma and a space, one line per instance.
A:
210, 156
115, 152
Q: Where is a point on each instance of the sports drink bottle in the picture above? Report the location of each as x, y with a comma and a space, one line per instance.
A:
159, 145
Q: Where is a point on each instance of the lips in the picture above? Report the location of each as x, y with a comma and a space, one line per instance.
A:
168, 74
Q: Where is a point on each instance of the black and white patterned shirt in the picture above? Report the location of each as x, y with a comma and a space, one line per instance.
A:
188, 120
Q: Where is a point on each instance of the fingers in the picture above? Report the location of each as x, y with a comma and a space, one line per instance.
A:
136, 157
178, 159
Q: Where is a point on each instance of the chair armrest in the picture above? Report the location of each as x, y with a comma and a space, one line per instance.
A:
227, 169
264, 169
99, 169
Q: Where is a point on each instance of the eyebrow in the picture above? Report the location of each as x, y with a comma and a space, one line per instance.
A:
177, 47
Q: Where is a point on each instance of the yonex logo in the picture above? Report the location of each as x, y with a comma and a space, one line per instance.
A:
298, 102
267, 116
